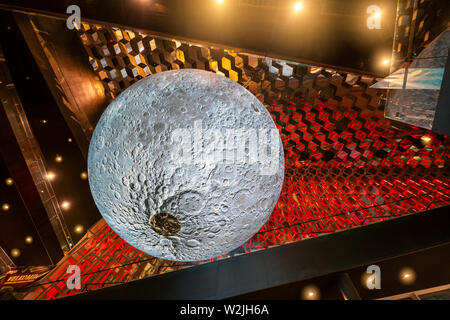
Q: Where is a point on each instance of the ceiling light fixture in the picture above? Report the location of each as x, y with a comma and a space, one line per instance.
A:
407, 276
311, 292
50, 176
15, 253
83, 175
298, 6
65, 205
9, 181
78, 229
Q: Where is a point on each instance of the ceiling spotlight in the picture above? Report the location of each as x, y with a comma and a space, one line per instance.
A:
83, 175
407, 276
298, 6
385, 62
50, 176
43, 121
70, 139
9, 181
78, 229
29, 239
65, 205
58, 158
5, 207
311, 293
15, 253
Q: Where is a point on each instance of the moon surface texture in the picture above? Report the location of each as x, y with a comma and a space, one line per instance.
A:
171, 203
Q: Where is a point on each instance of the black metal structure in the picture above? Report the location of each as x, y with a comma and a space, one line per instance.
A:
254, 27
292, 262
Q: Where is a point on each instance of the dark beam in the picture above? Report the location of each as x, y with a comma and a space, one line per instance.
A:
65, 67
293, 262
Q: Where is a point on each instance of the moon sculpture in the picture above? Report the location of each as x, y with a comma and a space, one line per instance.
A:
165, 169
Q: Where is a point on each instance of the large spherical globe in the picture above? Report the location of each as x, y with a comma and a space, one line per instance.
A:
186, 165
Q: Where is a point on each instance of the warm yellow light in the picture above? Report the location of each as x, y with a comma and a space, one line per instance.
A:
377, 15
78, 229
298, 6
65, 205
385, 62
83, 175
70, 139
311, 293
44, 121
15, 253
58, 158
9, 181
51, 176
29, 239
5, 207
407, 276
219, 1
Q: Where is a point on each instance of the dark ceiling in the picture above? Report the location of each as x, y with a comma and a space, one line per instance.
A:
427, 275
61, 155
16, 225
326, 32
